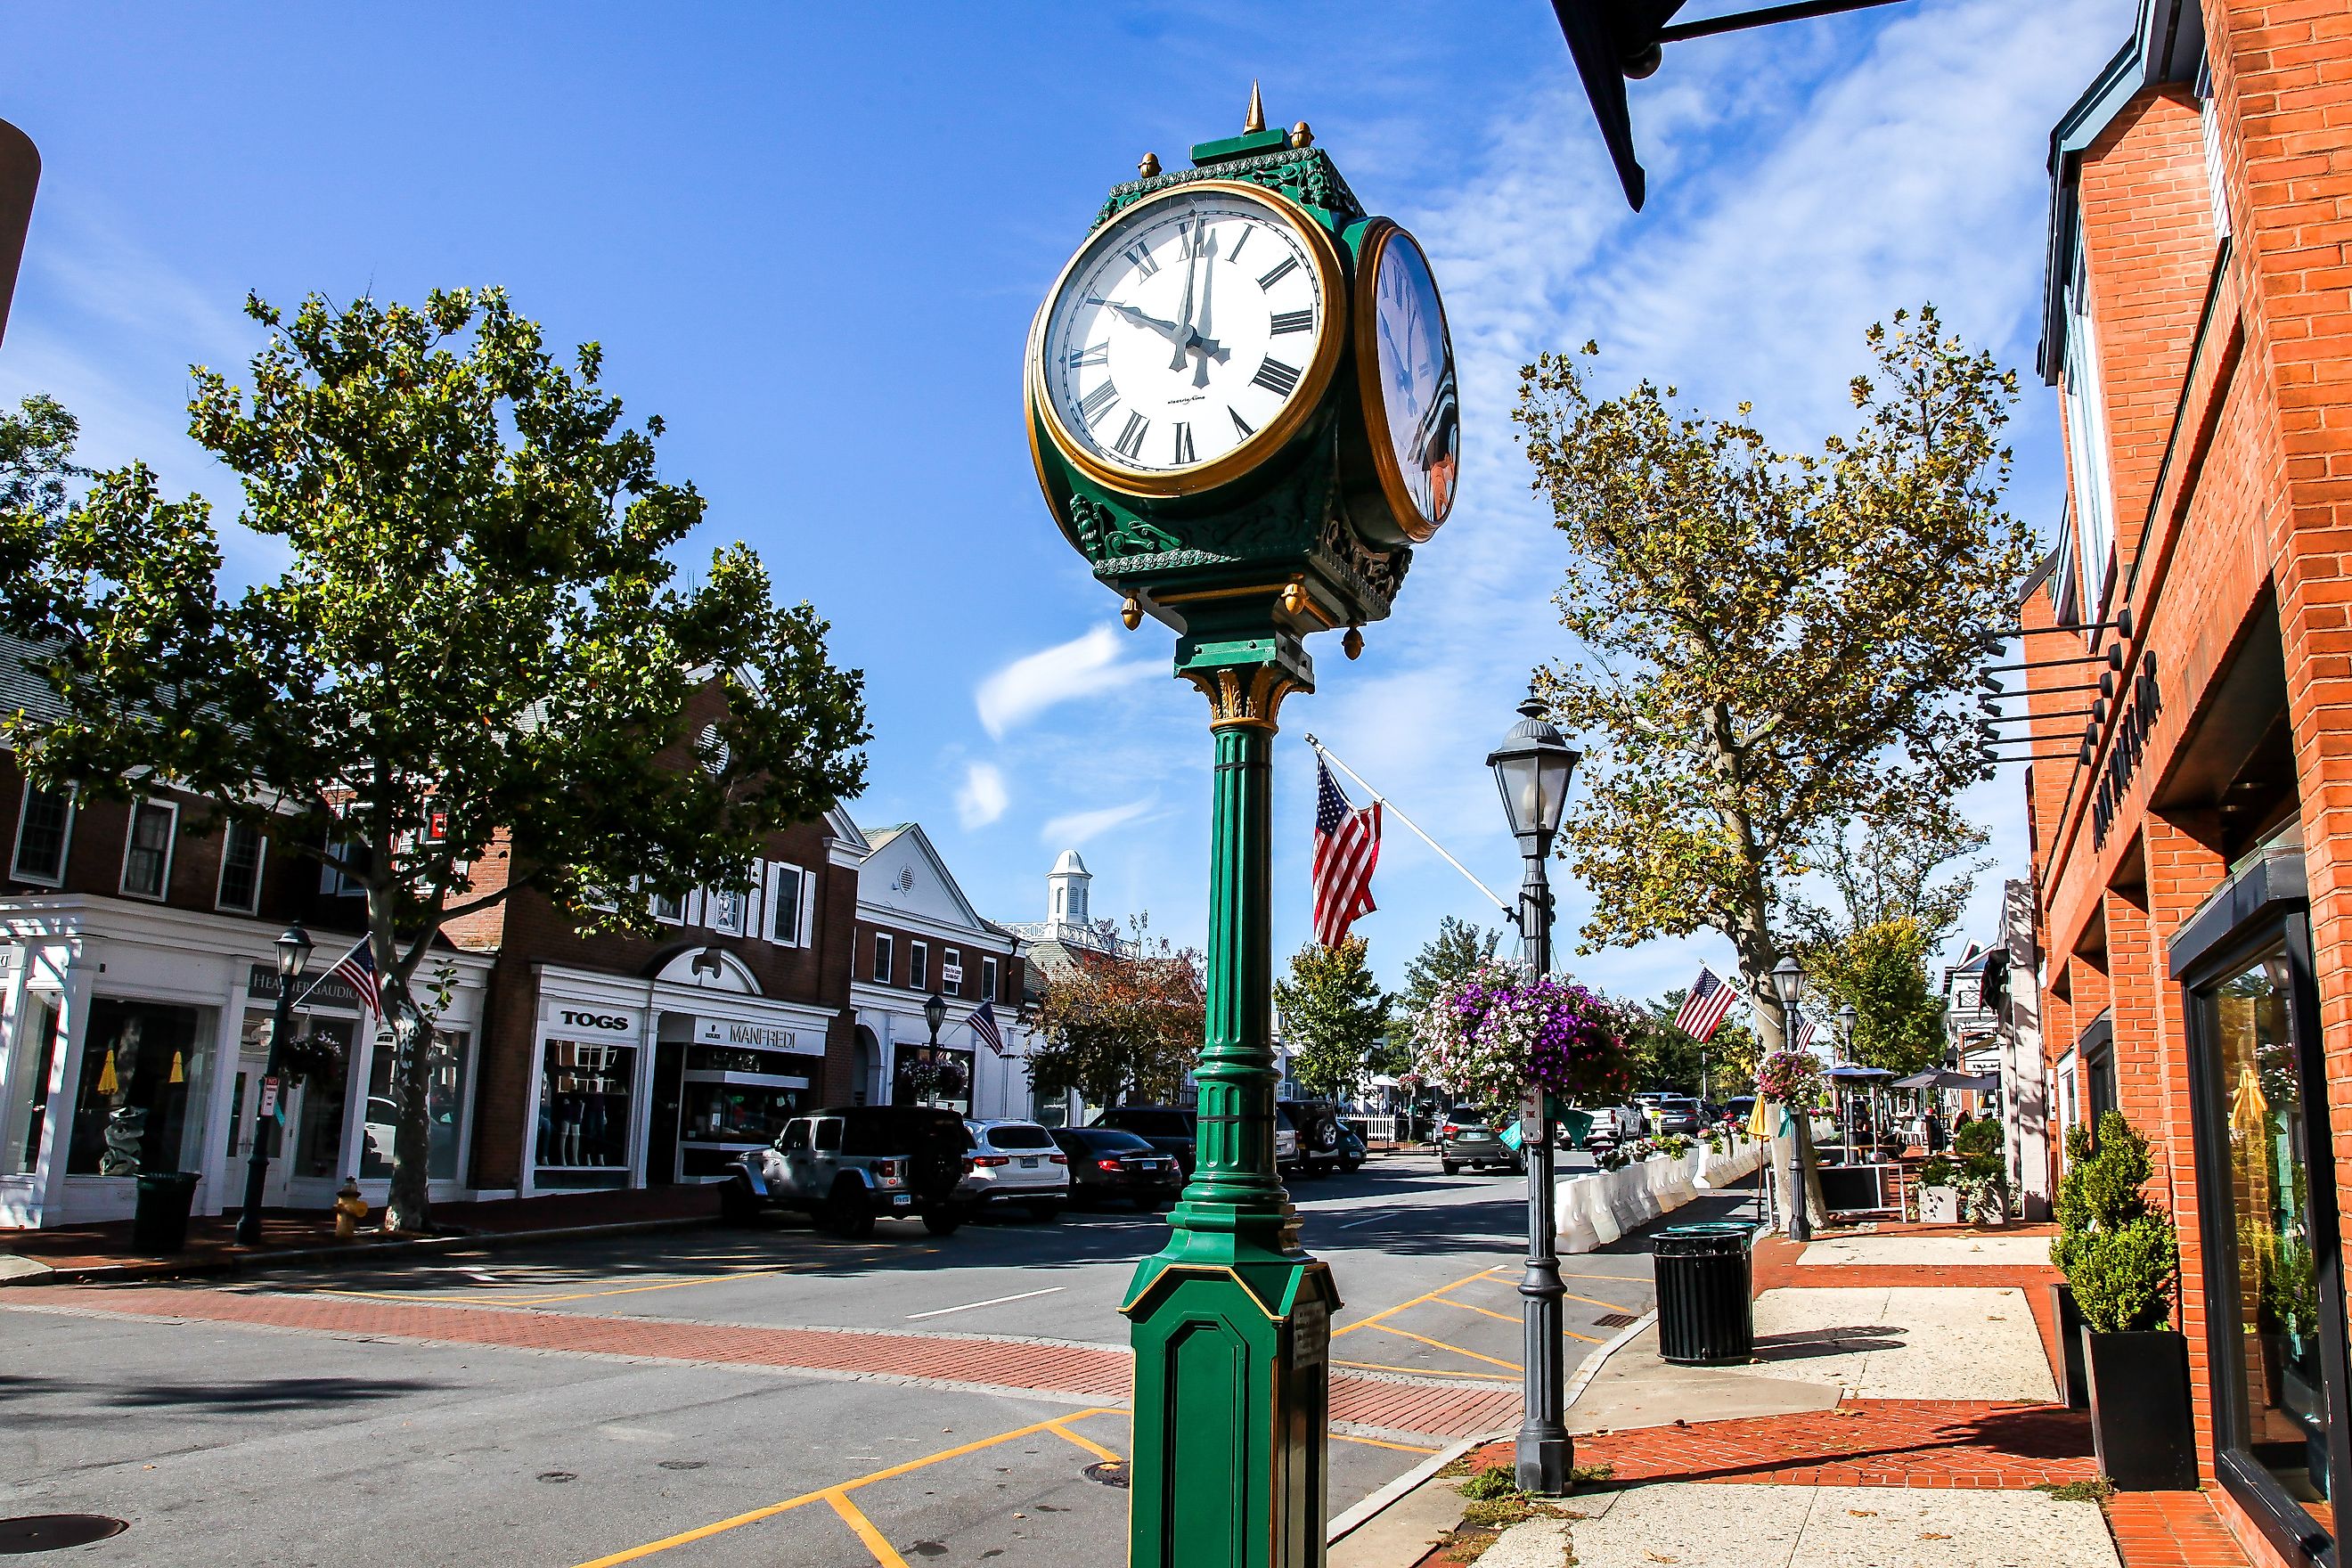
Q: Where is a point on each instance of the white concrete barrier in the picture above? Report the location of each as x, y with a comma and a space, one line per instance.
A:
1596, 1209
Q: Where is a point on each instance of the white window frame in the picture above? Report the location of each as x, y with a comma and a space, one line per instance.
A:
918, 965
951, 958
130, 838
2209, 130
710, 898
654, 902
334, 882
990, 974
2084, 404
803, 903
65, 849
886, 957
260, 864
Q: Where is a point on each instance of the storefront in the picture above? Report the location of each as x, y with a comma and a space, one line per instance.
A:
134, 1039
640, 1082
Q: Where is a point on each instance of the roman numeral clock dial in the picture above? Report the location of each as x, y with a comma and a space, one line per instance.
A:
1189, 337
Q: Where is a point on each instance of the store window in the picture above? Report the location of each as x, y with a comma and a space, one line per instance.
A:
940, 1078
447, 1062
586, 1089
147, 849
44, 827
881, 958
139, 1103
735, 1099
36, 1042
320, 1052
240, 878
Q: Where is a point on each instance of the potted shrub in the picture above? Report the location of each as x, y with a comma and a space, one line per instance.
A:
1939, 1192
1983, 1174
2119, 1257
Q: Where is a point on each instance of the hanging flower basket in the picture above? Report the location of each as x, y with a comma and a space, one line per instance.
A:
1490, 1034
1792, 1077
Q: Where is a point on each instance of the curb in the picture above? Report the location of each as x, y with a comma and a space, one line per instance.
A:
1412, 1480
357, 1252
1591, 1365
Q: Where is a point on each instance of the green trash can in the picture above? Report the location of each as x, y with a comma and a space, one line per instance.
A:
159, 1224
1706, 1314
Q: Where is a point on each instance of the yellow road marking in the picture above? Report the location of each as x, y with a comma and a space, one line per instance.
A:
705, 1532
1441, 1344
1507, 1316
1088, 1444
1417, 1300
429, 1300
1416, 1371
1590, 1302
863, 1528
1380, 1443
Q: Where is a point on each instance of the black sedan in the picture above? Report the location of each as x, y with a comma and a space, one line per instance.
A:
1105, 1163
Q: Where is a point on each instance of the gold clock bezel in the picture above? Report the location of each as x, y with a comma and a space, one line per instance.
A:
1332, 341
1417, 525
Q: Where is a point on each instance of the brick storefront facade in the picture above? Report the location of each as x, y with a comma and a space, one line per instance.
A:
2192, 846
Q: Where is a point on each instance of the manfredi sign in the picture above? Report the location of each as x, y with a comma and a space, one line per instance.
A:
753, 1037
1243, 413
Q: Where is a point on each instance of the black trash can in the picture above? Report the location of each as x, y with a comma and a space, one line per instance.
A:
159, 1226
1704, 1313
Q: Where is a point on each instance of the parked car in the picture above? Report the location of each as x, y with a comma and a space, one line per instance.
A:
1738, 1109
1108, 1163
1646, 1102
1014, 1162
1318, 1138
1353, 1152
1678, 1114
1615, 1124
1175, 1130
1465, 1138
847, 1166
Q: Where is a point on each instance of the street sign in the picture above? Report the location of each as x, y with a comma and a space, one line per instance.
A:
270, 1097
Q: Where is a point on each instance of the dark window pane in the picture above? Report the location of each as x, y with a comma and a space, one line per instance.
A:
148, 858
240, 886
41, 837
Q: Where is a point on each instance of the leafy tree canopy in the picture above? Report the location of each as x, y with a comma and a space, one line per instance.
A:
1459, 947
479, 624
1883, 868
1114, 1027
1768, 644
1333, 1013
1880, 970
1667, 1057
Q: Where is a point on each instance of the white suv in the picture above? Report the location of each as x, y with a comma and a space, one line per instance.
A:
1014, 1162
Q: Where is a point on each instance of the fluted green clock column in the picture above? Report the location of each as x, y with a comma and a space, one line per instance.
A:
1232, 1320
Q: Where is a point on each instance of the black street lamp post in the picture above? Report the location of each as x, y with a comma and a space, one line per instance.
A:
1788, 984
1533, 767
293, 951
935, 1012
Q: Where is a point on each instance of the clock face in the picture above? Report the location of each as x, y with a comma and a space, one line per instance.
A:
1191, 326
1416, 405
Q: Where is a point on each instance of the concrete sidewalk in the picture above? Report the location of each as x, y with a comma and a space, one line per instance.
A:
1901, 1409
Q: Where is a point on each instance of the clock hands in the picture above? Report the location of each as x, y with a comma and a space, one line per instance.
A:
1189, 235
1198, 342
1169, 330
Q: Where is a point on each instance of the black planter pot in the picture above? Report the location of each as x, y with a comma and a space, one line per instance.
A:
2074, 1382
2140, 1425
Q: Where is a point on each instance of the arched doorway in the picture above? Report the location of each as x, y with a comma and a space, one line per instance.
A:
864, 1067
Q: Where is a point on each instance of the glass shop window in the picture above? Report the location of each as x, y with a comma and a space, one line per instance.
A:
37, 1038
321, 1054
446, 1065
585, 1093
139, 1105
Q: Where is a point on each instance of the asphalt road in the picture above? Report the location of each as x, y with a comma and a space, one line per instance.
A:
360, 1444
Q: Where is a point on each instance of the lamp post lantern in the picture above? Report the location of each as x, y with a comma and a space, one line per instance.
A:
293, 952
935, 1012
1789, 984
1532, 768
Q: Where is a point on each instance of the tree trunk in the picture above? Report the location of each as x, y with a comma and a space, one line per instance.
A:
408, 1205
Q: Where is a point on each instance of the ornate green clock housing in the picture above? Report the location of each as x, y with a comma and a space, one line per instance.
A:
1242, 405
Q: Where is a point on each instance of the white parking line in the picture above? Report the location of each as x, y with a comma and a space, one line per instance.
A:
1374, 1219
992, 1302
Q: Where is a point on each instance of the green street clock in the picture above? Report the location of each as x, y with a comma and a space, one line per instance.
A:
1243, 410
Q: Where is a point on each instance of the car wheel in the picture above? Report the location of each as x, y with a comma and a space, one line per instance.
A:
737, 1205
1451, 1167
850, 1215
1045, 1214
942, 1222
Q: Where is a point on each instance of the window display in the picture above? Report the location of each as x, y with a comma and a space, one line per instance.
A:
139, 1103
445, 1099
585, 1091
321, 1054
28, 1082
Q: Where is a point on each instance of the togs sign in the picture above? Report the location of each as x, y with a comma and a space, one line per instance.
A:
597, 1020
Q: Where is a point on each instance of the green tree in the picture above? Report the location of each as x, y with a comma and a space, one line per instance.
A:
1880, 970
1769, 645
1459, 947
1111, 1025
1883, 868
479, 624
36, 466
1667, 1057
1334, 1014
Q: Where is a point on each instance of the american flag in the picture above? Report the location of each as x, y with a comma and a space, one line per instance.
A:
1804, 1031
1347, 847
1704, 1008
983, 1023
357, 968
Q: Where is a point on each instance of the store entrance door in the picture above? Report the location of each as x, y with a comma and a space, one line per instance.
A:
661, 1133
237, 1149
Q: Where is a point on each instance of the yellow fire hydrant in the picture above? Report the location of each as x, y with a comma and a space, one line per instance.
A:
349, 1209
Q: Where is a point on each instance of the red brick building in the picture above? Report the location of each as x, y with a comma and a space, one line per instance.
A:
2192, 842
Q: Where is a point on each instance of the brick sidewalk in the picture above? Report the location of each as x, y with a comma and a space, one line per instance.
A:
1426, 1406
1863, 1443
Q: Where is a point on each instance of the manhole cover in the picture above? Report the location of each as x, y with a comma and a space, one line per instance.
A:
682, 1464
557, 1476
1110, 1473
1613, 1319
56, 1532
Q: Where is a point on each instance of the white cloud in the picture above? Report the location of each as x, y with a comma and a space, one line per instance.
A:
1068, 832
983, 798
1079, 667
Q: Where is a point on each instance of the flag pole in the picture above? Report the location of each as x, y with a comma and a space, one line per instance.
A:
1325, 753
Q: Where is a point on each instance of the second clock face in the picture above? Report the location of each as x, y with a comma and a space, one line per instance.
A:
1184, 329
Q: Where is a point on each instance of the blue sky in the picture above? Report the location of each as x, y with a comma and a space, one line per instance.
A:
812, 238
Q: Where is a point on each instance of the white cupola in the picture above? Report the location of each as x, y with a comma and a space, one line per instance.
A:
1065, 890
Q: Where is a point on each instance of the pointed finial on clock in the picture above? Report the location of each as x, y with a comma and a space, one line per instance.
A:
1257, 121
1150, 166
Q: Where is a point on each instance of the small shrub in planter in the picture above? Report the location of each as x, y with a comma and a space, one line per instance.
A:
2119, 1257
